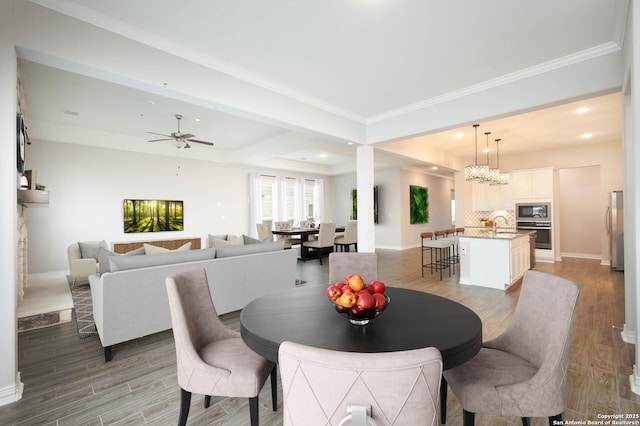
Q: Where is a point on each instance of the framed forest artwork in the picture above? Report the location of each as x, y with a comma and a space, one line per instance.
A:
153, 216
418, 204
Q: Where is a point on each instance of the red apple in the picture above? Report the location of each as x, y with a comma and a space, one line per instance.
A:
348, 300
369, 288
347, 289
333, 292
365, 300
380, 300
378, 286
340, 284
355, 282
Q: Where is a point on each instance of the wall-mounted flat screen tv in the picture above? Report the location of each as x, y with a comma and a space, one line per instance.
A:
153, 216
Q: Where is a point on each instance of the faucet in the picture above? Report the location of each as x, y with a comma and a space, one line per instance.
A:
495, 225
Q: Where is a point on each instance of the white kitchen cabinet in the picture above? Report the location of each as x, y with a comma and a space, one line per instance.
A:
493, 260
520, 260
485, 197
533, 185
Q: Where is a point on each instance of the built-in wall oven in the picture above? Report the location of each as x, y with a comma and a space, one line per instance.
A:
543, 231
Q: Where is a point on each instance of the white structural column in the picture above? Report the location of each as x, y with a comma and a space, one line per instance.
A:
631, 149
10, 384
365, 184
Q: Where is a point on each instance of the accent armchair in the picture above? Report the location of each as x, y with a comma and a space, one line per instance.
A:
83, 260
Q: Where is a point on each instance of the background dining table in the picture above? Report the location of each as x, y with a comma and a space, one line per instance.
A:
304, 234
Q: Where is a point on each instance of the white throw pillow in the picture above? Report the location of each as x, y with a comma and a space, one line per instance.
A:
151, 249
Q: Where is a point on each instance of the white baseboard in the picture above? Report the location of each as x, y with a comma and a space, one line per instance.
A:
634, 381
582, 255
13, 393
628, 336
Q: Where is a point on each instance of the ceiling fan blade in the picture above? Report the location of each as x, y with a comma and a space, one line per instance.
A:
158, 140
185, 135
186, 145
160, 134
202, 142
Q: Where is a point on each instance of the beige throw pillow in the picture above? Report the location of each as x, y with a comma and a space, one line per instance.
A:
151, 249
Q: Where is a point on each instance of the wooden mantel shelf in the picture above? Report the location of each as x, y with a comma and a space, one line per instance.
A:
33, 198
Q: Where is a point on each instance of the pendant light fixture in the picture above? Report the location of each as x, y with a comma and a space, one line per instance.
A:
494, 174
499, 178
475, 172
486, 173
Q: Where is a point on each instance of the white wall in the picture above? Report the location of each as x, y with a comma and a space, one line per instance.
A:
10, 386
582, 221
88, 185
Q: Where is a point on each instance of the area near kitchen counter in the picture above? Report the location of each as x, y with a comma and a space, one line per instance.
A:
493, 259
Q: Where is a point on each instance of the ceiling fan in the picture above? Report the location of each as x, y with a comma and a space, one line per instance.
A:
179, 137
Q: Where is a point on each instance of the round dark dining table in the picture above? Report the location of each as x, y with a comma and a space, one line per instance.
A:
412, 320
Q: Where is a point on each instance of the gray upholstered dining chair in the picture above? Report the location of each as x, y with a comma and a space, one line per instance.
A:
343, 264
522, 372
325, 387
324, 243
212, 359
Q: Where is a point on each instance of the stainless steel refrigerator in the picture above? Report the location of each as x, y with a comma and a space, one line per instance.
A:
615, 228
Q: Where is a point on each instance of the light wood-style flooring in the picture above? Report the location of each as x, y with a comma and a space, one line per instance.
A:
67, 382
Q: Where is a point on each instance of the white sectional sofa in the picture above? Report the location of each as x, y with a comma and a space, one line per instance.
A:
131, 301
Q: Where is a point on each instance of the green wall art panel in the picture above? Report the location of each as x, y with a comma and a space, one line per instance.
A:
418, 204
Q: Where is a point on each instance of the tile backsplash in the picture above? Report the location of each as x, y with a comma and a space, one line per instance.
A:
472, 218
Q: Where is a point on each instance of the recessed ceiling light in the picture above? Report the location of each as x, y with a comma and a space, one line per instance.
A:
582, 110
587, 135
323, 155
349, 143
434, 168
197, 119
459, 135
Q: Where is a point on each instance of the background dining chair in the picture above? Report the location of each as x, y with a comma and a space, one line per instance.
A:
324, 243
522, 372
212, 359
285, 225
349, 237
343, 264
319, 385
264, 232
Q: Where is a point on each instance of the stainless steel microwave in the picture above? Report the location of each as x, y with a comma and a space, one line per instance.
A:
536, 211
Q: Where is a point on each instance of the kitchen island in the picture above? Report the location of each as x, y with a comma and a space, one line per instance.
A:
493, 259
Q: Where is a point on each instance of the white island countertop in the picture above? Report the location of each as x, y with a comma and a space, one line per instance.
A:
505, 234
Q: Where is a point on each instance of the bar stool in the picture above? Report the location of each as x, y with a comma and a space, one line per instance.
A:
423, 236
441, 249
455, 252
459, 231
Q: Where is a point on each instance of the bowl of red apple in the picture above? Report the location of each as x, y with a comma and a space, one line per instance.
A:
358, 301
